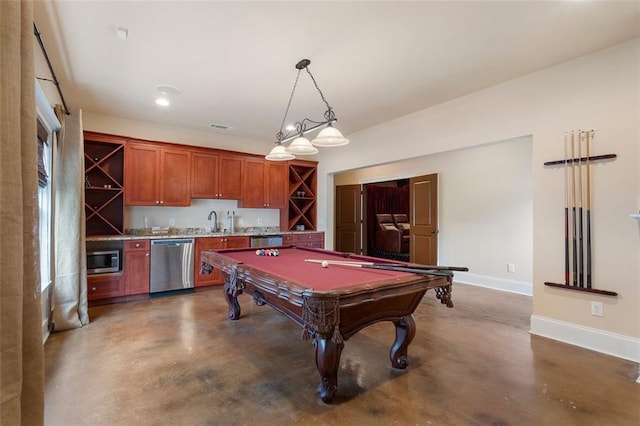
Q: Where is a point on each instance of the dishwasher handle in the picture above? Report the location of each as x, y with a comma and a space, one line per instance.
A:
172, 243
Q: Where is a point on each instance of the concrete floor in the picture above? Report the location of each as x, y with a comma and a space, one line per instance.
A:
178, 361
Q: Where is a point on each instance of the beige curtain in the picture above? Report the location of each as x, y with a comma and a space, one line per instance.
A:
70, 284
21, 351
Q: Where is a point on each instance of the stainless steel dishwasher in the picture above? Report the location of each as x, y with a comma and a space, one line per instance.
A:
171, 265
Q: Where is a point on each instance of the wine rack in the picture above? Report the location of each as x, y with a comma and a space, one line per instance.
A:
302, 208
104, 178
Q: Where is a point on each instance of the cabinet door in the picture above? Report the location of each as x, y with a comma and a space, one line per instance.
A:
277, 183
136, 270
214, 277
254, 185
204, 175
142, 174
104, 286
230, 177
237, 242
175, 177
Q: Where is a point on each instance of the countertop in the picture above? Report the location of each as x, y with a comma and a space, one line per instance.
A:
174, 233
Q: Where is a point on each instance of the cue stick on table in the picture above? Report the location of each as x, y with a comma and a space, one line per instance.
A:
444, 271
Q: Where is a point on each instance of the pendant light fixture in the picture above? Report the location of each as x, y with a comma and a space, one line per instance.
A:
328, 137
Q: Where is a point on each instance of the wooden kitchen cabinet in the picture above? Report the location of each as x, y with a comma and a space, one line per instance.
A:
214, 243
216, 176
136, 267
156, 175
306, 239
104, 286
265, 184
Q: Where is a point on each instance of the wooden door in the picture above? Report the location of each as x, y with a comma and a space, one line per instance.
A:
204, 175
348, 229
175, 177
423, 202
230, 177
141, 174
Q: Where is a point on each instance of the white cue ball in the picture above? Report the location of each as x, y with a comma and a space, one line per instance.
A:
325, 264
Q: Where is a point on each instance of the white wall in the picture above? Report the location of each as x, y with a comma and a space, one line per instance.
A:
485, 209
600, 91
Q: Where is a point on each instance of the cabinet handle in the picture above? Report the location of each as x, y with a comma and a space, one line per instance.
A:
157, 202
161, 202
93, 289
146, 254
137, 244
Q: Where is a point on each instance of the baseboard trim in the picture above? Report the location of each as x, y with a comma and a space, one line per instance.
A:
617, 345
512, 286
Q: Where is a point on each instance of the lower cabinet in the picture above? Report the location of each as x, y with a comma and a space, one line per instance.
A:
214, 243
136, 267
133, 280
306, 239
104, 286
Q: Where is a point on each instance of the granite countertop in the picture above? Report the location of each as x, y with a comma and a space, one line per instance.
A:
165, 233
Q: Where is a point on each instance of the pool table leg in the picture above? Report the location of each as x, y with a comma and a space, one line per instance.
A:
232, 301
327, 361
405, 332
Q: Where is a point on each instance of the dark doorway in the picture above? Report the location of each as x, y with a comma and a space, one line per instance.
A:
384, 202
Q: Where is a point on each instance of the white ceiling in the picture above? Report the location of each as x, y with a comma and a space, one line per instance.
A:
234, 62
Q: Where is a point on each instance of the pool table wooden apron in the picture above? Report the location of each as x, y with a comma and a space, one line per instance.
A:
330, 304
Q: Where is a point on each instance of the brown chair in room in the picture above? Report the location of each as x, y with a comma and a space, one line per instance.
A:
388, 237
401, 221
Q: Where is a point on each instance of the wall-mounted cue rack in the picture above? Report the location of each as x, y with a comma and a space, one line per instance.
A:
577, 211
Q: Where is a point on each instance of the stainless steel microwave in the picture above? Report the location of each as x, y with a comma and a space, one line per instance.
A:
102, 262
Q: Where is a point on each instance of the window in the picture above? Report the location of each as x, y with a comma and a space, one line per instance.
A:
45, 204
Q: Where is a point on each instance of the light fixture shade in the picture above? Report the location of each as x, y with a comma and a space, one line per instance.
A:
279, 153
302, 146
330, 136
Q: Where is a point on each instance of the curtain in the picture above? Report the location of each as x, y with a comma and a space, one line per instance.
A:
21, 350
70, 309
384, 199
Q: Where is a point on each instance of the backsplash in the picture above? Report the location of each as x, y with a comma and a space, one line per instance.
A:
252, 230
196, 216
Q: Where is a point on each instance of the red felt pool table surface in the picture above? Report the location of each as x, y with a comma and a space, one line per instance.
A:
290, 265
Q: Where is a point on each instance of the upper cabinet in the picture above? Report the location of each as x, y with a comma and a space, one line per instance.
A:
265, 184
103, 184
157, 175
216, 175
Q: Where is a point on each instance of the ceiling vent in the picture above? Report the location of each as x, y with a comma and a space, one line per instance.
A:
219, 126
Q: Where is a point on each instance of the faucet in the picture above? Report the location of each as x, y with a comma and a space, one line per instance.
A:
231, 217
215, 223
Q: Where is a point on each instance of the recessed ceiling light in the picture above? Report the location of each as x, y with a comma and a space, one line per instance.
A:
168, 91
163, 102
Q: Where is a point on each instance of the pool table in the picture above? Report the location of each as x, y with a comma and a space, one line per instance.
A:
332, 303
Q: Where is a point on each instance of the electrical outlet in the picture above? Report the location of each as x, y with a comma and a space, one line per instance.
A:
240, 221
597, 309
259, 222
511, 267
172, 221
